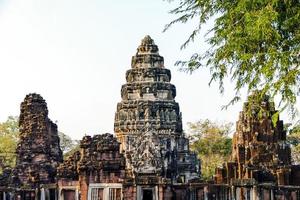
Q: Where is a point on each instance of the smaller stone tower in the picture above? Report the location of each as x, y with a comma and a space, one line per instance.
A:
38, 151
260, 152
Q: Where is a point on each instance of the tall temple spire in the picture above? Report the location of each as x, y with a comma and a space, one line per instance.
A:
148, 96
147, 46
148, 121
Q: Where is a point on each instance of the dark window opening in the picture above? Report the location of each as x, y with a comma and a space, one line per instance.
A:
69, 194
147, 194
52, 194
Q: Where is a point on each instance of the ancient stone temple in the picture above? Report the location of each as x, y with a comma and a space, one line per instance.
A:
149, 126
149, 157
38, 150
260, 166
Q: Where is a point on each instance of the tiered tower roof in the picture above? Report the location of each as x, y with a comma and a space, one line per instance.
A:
148, 96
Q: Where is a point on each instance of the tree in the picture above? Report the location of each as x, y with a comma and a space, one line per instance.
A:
9, 135
211, 142
76, 147
294, 140
67, 144
255, 43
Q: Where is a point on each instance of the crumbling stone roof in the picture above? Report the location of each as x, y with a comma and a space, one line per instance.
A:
101, 152
100, 143
68, 169
98, 155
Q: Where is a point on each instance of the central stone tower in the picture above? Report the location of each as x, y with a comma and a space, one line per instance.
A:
148, 124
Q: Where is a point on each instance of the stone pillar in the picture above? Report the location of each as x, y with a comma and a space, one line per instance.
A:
254, 192
206, 191
161, 192
138, 193
83, 187
156, 193
42, 193
37, 193
232, 193
238, 193
272, 194
77, 194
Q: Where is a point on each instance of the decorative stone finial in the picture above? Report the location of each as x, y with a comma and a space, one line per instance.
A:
147, 46
148, 40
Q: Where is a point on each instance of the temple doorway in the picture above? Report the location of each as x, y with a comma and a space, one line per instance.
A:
147, 194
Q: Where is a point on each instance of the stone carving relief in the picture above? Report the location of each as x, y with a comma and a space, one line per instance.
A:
145, 156
146, 113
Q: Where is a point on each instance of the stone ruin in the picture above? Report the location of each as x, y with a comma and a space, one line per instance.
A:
149, 159
38, 151
261, 157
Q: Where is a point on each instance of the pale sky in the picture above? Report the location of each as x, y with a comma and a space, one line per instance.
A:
75, 54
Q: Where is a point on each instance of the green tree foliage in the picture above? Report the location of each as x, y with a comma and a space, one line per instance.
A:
255, 43
294, 140
67, 144
211, 141
75, 148
9, 134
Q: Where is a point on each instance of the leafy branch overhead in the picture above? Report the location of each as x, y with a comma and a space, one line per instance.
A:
254, 43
